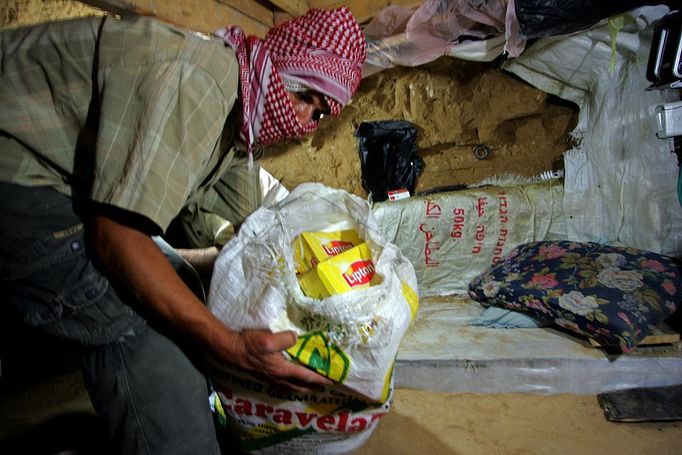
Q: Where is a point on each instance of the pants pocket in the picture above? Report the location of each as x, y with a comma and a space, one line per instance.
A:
47, 274
70, 298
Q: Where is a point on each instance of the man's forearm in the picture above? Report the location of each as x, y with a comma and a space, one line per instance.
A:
132, 259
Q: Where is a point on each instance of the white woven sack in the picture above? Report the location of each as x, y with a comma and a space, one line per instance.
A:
265, 419
254, 286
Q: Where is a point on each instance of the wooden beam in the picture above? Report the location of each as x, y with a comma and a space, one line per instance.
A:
281, 16
292, 7
256, 17
200, 15
661, 334
364, 10
261, 12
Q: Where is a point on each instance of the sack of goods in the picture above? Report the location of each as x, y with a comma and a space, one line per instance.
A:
315, 263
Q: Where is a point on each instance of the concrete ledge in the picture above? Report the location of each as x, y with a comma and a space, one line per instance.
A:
441, 352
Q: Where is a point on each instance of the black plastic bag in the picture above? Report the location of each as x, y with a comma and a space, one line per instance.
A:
538, 18
388, 157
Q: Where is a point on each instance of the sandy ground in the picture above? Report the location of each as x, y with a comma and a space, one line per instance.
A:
419, 422
438, 423
454, 105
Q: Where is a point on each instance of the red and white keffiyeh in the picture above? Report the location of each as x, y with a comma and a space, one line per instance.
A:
322, 50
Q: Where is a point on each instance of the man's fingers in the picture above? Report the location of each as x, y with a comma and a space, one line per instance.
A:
265, 351
264, 342
282, 340
303, 374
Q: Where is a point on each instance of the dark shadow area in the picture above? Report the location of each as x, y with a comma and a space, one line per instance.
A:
74, 433
29, 355
390, 437
39, 375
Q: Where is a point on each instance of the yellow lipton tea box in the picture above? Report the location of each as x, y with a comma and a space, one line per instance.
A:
311, 248
352, 269
311, 285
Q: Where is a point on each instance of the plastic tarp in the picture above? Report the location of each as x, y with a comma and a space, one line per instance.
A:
620, 179
538, 18
467, 29
478, 30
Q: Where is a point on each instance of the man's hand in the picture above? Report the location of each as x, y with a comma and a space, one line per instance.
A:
261, 351
132, 259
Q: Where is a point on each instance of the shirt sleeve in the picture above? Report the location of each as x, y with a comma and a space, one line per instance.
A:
225, 206
158, 136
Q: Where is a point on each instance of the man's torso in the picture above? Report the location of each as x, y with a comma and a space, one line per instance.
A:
143, 137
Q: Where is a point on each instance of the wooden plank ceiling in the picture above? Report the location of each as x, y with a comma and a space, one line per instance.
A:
254, 16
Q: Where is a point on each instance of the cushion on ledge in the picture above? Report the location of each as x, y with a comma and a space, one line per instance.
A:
614, 295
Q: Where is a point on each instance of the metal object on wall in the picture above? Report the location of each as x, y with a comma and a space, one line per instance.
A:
664, 68
481, 151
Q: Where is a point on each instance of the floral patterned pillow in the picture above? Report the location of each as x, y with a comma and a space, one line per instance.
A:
614, 295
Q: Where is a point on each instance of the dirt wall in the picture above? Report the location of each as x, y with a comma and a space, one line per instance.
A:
455, 105
17, 13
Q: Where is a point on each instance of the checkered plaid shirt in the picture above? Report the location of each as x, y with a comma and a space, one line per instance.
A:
152, 136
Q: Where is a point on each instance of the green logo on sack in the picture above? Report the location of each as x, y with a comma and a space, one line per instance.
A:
314, 350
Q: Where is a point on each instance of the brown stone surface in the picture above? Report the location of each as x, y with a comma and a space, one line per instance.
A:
454, 105
16, 13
